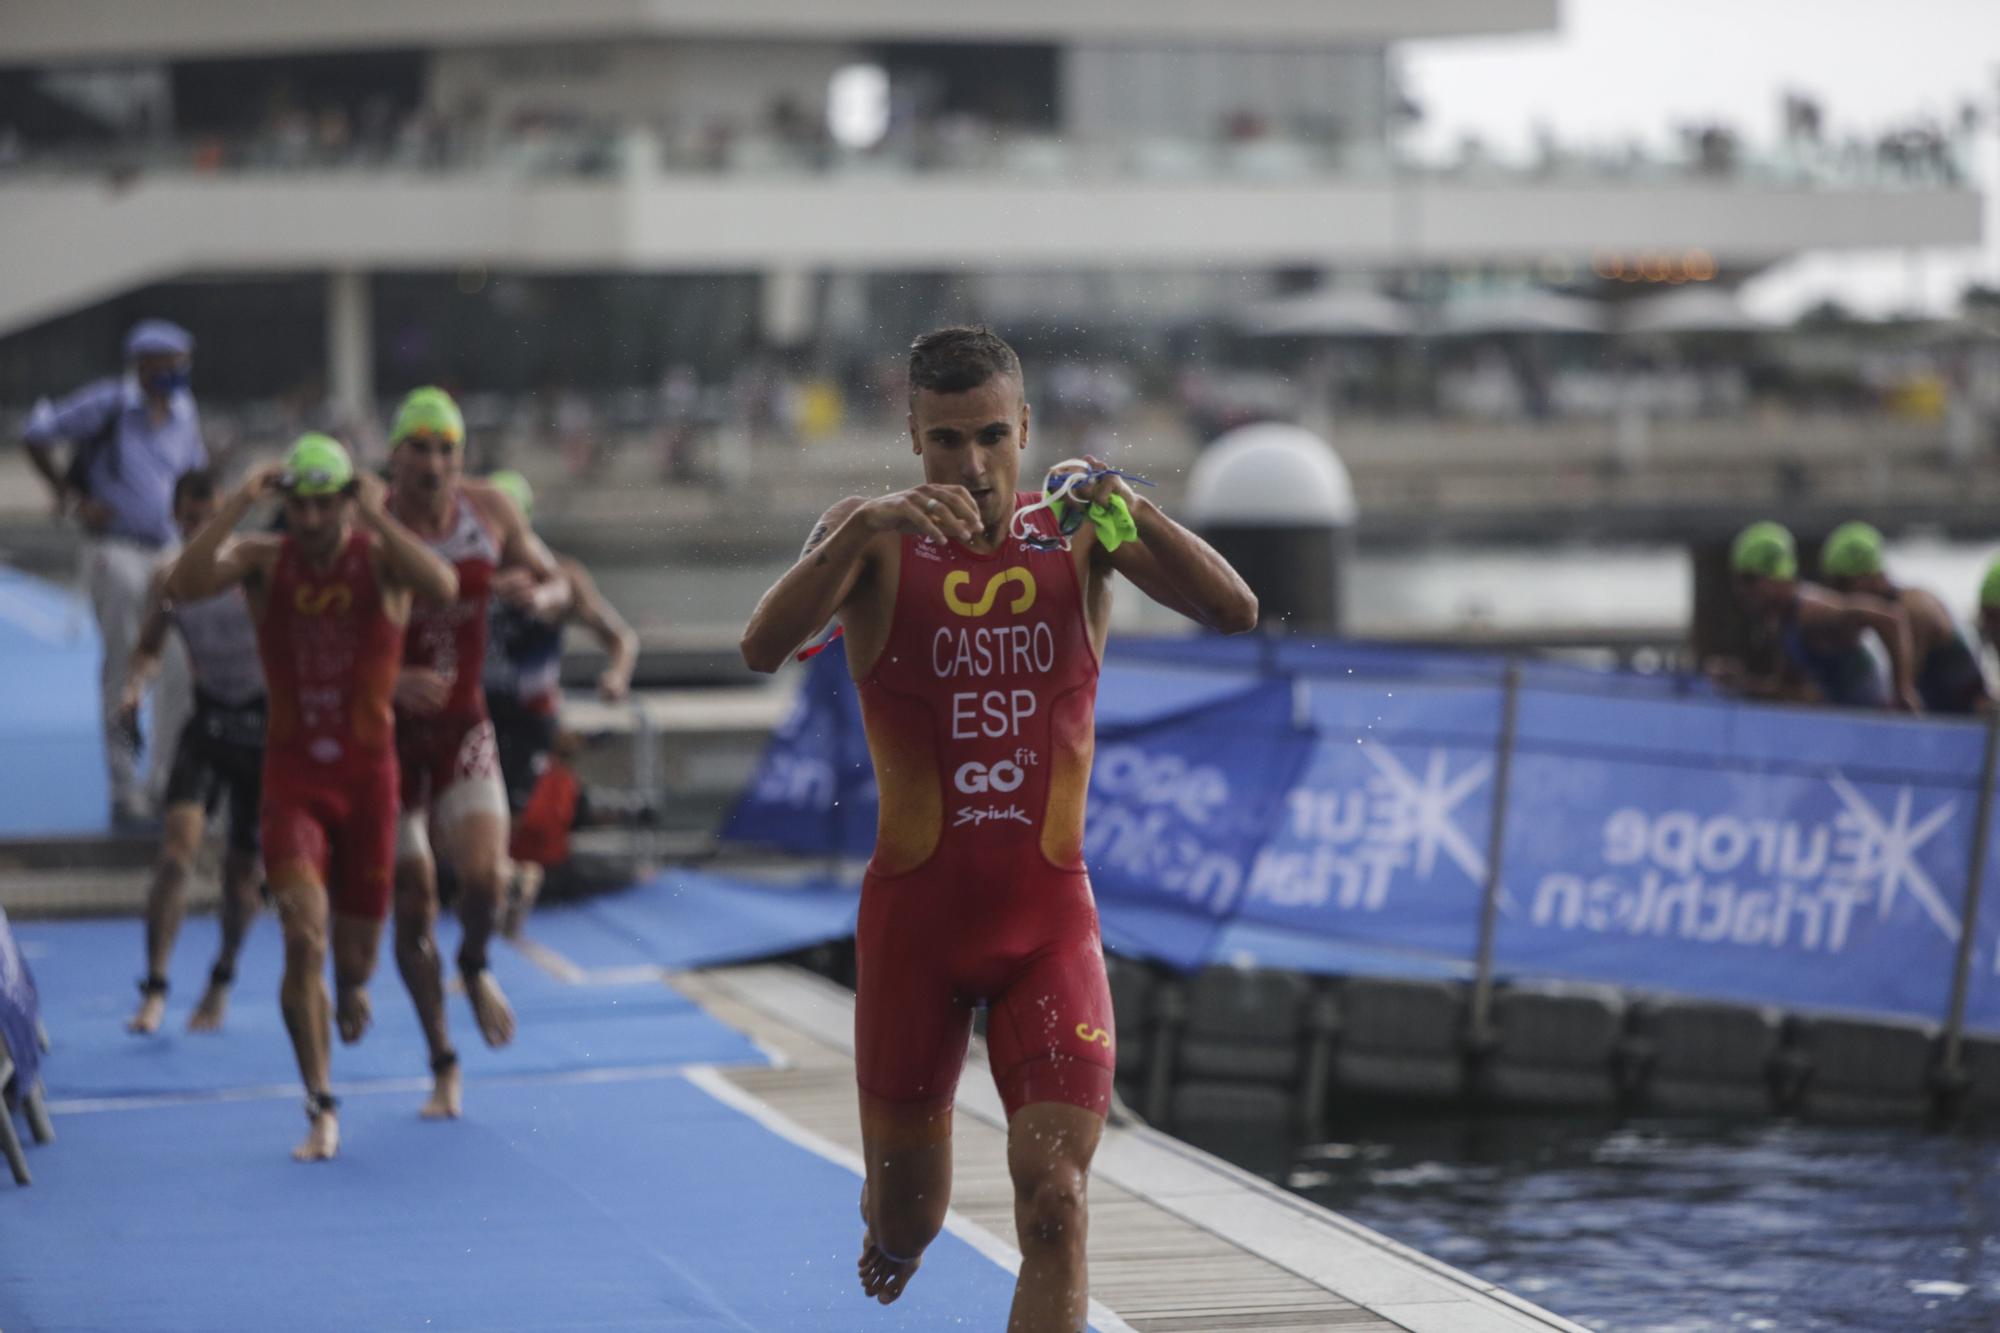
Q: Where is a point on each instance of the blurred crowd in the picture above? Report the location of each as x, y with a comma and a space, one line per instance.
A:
377, 131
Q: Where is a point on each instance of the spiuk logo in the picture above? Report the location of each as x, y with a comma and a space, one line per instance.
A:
1096, 1035
976, 815
958, 580
333, 599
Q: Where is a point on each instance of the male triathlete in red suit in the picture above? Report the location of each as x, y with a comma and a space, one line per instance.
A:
330, 597
975, 645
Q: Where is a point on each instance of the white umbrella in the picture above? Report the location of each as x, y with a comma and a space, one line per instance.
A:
1331, 312
1528, 311
1701, 309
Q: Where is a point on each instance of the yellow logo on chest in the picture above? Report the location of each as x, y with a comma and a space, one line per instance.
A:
958, 580
328, 599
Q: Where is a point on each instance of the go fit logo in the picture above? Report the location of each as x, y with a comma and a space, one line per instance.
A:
958, 580
975, 778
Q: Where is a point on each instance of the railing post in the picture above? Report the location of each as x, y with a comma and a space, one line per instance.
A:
648, 773
1951, 1068
1480, 1027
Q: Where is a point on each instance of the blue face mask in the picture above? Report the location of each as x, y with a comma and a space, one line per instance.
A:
166, 383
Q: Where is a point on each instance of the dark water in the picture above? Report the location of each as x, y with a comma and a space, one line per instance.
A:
1672, 1227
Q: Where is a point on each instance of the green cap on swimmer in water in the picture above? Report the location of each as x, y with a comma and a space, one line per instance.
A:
317, 465
1989, 588
1853, 551
1765, 549
428, 409
516, 488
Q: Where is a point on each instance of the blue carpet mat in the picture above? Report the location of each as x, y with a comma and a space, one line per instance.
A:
597, 1190
686, 918
85, 970
560, 1206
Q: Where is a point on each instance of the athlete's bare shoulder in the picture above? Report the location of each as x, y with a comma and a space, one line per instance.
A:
491, 504
253, 546
1927, 606
254, 553
837, 513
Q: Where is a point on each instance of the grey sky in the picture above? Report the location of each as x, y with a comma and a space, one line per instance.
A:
1633, 69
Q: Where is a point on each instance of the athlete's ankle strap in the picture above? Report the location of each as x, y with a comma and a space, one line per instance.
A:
440, 1063
152, 985
883, 1250
221, 975
320, 1103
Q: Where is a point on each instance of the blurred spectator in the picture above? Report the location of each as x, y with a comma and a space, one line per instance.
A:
129, 439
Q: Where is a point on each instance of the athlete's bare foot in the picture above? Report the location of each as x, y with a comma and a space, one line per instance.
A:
490, 1007
447, 1100
208, 1015
352, 1013
882, 1278
152, 1011
322, 1141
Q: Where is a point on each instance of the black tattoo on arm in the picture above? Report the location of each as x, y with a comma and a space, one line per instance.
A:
819, 534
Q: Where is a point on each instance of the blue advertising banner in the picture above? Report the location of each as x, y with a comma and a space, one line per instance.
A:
1807, 858
814, 790
1180, 806
1768, 855
1982, 998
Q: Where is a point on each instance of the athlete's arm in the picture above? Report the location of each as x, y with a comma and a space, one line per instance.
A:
530, 579
1858, 611
211, 563
839, 556
144, 663
406, 561
597, 615
1175, 567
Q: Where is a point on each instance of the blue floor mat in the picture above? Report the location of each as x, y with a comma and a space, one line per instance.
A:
686, 918
85, 969
603, 1206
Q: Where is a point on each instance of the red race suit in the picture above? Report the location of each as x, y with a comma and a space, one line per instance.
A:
979, 714
331, 654
449, 757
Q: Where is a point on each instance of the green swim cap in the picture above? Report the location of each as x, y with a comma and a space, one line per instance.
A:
431, 409
1989, 587
516, 488
317, 465
1853, 551
1765, 549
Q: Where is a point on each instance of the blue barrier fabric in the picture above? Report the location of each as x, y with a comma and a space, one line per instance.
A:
1657, 837
53, 781
20, 1010
814, 792
1176, 816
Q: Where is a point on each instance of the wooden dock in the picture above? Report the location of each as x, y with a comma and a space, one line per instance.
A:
1180, 1241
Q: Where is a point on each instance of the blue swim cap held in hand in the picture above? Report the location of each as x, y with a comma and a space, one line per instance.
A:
1111, 517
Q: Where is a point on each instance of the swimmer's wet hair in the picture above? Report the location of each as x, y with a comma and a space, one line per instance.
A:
960, 358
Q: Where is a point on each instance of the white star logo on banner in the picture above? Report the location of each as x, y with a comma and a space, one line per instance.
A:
1891, 851
1425, 806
